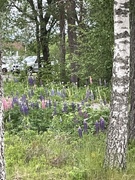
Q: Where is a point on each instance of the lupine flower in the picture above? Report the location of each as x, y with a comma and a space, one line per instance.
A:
49, 103
23, 99
80, 132
87, 94
102, 124
15, 100
85, 115
104, 101
80, 112
54, 111
73, 106
97, 126
65, 108
7, 103
43, 104
91, 80
30, 93
85, 126
82, 103
32, 105
52, 92
31, 81
24, 109
41, 97
58, 93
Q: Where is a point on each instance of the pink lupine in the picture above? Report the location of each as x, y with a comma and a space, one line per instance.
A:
7, 103
91, 82
43, 104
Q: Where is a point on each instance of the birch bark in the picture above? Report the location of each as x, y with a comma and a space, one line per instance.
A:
2, 162
117, 135
132, 74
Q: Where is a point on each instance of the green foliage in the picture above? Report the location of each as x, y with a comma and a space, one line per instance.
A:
60, 156
96, 41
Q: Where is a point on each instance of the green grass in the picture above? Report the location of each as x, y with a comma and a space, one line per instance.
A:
59, 156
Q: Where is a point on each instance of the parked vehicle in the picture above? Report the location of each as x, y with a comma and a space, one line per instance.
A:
6, 67
29, 64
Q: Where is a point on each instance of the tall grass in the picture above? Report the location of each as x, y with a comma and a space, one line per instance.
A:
54, 156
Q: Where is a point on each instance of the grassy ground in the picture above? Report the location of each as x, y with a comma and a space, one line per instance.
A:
60, 156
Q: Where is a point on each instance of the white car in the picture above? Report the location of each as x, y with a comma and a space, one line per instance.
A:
6, 67
30, 63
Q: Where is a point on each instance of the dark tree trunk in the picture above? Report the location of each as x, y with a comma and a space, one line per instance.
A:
132, 75
72, 38
62, 42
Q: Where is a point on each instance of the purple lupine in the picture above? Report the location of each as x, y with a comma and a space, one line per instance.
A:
31, 81
80, 132
49, 103
102, 124
87, 94
104, 101
80, 112
85, 126
15, 100
54, 111
73, 106
85, 115
97, 126
23, 99
65, 107
82, 103
58, 93
32, 105
24, 109
52, 92
41, 97
63, 92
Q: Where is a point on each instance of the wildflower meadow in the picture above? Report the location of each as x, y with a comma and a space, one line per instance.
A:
57, 131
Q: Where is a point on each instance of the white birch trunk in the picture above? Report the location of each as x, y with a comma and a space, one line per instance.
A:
2, 162
117, 135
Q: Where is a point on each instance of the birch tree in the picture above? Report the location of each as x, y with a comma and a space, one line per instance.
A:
132, 74
117, 135
2, 163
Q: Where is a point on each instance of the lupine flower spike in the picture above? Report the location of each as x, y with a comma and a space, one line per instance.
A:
80, 132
